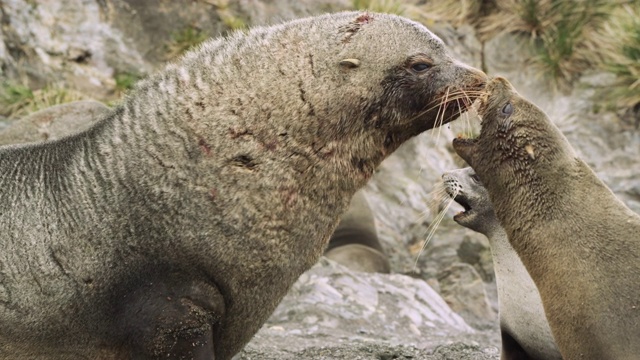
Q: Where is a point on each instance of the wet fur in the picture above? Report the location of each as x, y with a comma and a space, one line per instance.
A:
579, 243
523, 324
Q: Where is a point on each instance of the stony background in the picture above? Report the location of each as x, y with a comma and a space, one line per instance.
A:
443, 308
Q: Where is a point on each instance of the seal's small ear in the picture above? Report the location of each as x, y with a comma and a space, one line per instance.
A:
350, 63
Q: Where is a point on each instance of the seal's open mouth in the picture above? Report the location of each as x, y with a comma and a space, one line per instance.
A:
462, 200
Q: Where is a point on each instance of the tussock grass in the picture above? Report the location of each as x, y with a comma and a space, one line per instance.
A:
621, 44
458, 12
562, 32
565, 34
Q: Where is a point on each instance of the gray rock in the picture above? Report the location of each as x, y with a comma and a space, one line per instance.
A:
477, 253
47, 36
53, 122
462, 288
334, 313
378, 351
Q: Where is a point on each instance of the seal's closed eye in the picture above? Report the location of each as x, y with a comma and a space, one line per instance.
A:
507, 109
420, 67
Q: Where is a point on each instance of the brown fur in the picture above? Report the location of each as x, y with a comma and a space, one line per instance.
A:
523, 323
579, 243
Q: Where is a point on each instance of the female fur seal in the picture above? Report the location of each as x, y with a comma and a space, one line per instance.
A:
523, 324
355, 243
173, 226
579, 243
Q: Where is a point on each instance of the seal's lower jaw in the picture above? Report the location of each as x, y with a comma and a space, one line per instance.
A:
463, 217
465, 148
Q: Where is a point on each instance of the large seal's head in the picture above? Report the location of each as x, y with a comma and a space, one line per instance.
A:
404, 80
517, 147
464, 186
342, 90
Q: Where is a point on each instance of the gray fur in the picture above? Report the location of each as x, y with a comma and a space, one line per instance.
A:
525, 330
174, 226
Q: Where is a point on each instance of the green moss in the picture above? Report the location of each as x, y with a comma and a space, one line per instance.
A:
17, 100
183, 40
126, 80
382, 6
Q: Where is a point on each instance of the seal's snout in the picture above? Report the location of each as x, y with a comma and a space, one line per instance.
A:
465, 148
496, 85
495, 89
454, 189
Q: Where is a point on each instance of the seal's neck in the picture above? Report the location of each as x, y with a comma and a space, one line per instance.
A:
541, 219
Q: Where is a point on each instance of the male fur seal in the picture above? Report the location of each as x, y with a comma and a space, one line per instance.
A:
579, 243
174, 226
354, 243
523, 324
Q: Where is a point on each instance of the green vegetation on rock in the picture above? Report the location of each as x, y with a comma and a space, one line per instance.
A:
126, 80
383, 6
17, 100
226, 14
183, 40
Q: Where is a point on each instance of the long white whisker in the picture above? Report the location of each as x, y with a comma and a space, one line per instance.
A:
434, 225
444, 107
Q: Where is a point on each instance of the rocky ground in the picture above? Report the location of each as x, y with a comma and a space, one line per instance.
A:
444, 307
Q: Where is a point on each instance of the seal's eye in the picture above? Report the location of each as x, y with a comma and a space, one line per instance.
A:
507, 109
475, 178
420, 67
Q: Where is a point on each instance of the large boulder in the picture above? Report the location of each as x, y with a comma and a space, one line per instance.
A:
53, 123
334, 313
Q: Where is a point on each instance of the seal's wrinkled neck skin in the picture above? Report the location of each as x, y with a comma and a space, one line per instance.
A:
229, 168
